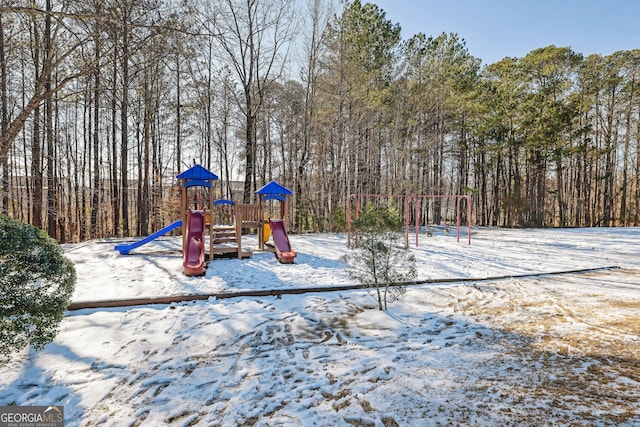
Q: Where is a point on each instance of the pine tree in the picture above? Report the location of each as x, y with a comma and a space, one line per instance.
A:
378, 260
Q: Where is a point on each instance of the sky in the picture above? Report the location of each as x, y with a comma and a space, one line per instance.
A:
494, 29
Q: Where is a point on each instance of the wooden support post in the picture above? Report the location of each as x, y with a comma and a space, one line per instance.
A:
238, 226
211, 219
260, 220
183, 197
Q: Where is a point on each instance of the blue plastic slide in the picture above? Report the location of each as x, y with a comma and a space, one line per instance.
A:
124, 249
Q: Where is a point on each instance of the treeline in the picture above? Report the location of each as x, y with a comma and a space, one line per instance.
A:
105, 101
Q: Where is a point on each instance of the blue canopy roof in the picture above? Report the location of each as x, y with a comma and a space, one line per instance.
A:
274, 188
198, 173
197, 183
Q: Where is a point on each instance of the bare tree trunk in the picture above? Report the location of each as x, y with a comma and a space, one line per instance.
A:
75, 181
95, 196
143, 217
140, 122
178, 119
249, 148
562, 204
636, 217
115, 188
124, 134
624, 217
4, 120
52, 195
36, 151
86, 149
156, 173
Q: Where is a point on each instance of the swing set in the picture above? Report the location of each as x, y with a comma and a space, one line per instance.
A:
425, 210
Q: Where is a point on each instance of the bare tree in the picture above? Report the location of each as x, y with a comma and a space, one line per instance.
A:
40, 89
255, 36
319, 15
4, 119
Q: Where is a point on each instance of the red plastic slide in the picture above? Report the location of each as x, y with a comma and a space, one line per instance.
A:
193, 262
284, 252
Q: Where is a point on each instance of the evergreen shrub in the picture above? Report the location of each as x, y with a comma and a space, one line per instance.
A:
36, 284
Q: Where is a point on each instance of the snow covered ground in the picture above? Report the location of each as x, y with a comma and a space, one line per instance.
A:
530, 350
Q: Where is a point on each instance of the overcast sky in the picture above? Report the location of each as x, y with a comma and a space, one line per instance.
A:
494, 29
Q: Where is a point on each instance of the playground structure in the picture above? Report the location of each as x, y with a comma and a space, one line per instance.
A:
194, 220
420, 208
199, 223
281, 244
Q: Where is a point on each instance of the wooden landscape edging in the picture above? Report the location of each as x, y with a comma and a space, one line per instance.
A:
130, 302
